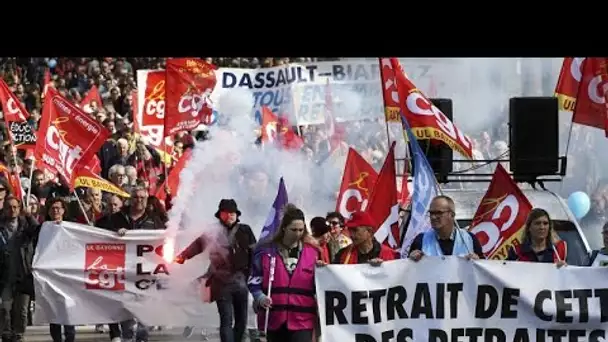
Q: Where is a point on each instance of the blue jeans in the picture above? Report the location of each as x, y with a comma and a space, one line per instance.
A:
232, 305
68, 330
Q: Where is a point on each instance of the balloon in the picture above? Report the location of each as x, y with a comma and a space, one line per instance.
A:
52, 63
579, 203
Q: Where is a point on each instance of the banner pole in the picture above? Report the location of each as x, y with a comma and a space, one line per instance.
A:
82, 208
273, 262
29, 189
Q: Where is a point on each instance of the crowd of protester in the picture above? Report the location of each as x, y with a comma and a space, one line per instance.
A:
137, 168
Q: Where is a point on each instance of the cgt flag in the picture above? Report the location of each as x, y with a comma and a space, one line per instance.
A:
68, 138
189, 83
425, 188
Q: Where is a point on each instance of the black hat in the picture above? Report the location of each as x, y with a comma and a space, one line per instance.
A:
319, 226
228, 205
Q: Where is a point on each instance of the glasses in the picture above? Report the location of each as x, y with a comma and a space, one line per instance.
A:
2, 189
437, 212
334, 223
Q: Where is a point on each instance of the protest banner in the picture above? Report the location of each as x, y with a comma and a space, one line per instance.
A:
23, 135
87, 275
452, 299
299, 89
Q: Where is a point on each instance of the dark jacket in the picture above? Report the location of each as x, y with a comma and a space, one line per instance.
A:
107, 154
17, 254
122, 219
226, 258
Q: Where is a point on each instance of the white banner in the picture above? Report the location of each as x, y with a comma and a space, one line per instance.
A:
452, 300
86, 275
299, 89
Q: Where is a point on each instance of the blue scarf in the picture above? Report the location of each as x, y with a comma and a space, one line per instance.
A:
463, 243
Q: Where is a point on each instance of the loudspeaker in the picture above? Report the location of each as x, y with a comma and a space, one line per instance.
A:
438, 153
534, 137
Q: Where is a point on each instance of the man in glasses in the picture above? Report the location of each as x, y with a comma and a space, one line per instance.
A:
337, 239
445, 238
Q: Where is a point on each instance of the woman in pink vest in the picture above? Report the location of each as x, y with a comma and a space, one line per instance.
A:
290, 256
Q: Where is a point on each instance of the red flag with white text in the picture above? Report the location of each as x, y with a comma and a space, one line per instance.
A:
68, 138
19, 131
501, 216
426, 120
190, 82
582, 88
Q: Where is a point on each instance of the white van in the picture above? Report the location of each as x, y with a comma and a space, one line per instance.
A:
566, 225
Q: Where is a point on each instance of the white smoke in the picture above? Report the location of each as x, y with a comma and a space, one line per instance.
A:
229, 165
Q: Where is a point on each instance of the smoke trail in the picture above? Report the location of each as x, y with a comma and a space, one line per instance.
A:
230, 166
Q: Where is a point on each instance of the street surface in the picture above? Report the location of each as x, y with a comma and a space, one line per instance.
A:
173, 334
88, 334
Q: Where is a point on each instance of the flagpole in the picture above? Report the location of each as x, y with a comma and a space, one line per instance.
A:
273, 261
86, 217
407, 129
388, 136
29, 189
13, 171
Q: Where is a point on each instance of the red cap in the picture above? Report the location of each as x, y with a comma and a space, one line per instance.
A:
359, 219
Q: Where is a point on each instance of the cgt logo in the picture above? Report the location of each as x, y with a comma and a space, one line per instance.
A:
105, 266
355, 190
194, 103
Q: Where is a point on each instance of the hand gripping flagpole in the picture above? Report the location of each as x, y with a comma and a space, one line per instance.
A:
273, 263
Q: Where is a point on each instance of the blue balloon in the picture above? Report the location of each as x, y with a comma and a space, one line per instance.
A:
52, 63
579, 203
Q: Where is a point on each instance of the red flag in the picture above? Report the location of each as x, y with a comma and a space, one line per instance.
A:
501, 216
190, 82
383, 206
149, 112
68, 138
426, 120
335, 132
277, 130
582, 87
405, 195
13, 181
357, 180
47, 83
13, 109
94, 165
92, 101
173, 178
15, 116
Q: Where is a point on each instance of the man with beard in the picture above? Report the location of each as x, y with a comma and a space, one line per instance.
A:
132, 217
230, 266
